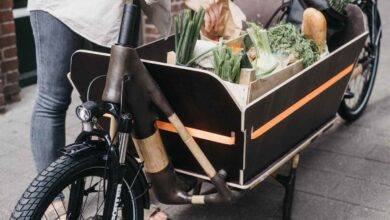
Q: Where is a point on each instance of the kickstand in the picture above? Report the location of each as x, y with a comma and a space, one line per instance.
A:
198, 188
289, 184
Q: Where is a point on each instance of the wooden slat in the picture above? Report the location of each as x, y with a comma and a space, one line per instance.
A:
263, 85
247, 76
171, 57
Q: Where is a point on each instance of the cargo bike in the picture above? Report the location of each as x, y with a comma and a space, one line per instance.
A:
147, 124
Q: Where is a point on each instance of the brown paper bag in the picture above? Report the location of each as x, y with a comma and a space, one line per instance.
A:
231, 25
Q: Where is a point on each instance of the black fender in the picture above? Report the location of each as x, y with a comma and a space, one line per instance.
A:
81, 149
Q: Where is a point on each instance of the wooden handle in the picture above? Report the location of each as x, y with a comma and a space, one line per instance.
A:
192, 146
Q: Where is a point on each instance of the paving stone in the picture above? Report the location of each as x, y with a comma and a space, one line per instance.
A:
317, 182
16, 133
360, 213
21, 111
347, 165
359, 168
312, 158
308, 206
7, 149
380, 153
317, 208
380, 123
355, 132
355, 146
374, 171
363, 193
16, 165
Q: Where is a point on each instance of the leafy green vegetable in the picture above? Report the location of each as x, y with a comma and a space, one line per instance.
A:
286, 38
226, 64
266, 62
339, 5
187, 33
214, 48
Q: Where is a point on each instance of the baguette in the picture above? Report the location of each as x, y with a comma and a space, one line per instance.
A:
314, 27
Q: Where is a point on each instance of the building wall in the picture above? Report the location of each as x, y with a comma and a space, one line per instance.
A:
9, 73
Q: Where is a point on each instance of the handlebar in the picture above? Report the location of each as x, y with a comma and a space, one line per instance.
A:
128, 34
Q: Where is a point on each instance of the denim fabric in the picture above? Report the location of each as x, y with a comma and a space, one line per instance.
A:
55, 44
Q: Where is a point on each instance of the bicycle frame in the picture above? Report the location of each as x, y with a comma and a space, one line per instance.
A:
129, 92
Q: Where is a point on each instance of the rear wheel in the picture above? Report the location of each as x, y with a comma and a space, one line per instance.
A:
73, 188
361, 85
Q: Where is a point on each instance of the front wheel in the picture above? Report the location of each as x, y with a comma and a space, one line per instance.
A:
75, 188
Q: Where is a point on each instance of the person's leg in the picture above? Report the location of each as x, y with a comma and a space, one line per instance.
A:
55, 43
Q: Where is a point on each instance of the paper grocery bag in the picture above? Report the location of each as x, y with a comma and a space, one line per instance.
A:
231, 26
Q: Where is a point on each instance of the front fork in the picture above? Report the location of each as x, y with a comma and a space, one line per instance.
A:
118, 168
116, 145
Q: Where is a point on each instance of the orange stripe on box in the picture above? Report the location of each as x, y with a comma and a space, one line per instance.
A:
286, 113
199, 134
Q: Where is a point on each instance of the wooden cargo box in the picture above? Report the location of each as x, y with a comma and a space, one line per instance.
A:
243, 139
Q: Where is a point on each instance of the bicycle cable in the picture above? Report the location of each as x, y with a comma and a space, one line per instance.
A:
92, 82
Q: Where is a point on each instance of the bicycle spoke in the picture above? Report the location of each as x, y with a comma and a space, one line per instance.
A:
101, 205
97, 204
63, 204
86, 199
55, 210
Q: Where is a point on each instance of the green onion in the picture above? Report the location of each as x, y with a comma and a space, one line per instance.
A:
187, 33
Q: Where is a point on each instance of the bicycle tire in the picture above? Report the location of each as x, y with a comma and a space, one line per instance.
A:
345, 111
63, 172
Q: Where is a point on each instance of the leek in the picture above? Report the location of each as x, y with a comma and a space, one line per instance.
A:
265, 62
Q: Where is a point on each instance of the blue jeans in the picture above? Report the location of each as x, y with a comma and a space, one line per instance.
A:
55, 44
